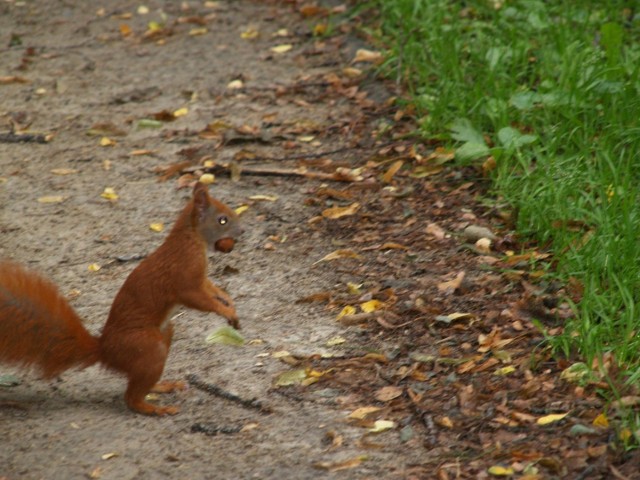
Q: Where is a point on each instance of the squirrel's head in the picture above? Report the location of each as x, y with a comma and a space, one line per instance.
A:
218, 225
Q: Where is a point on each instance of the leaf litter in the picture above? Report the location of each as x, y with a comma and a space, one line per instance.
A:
476, 386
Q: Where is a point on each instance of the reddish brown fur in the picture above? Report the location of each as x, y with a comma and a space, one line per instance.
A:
137, 336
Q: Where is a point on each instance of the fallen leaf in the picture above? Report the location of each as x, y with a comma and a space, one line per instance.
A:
108, 456
388, 393
601, 421
94, 267
107, 142
347, 310
372, 306
435, 230
548, 419
335, 341
338, 212
267, 198
110, 194
285, 47
63, 171
499, 471
226, 335
382, 425
235, 84
344, 465
250, 33
207, 178
505, 370
362, 412
241, 209
198, 31
452, 317
354, 289
452, 285
393, 169
291, 377
341, 253
364, 55
181, 112
52, 199
7, 80
157, 227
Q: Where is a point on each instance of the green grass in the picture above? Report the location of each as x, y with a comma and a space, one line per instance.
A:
552, 91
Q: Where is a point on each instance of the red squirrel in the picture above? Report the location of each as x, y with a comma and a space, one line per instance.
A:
39, 328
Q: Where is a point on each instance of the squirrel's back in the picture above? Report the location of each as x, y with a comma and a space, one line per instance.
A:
38, 327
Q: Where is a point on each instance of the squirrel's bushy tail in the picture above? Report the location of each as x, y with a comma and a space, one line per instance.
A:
38, 327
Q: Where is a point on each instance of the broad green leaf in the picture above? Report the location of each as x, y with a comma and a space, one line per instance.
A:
464, 131
472, 151
226, 335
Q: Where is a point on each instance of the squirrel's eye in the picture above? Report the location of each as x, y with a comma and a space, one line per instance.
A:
223, 220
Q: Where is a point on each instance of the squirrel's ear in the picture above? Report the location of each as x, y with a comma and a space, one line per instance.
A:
200, 198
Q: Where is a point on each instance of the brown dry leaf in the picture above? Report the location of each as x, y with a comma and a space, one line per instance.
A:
344, 465
435, 231
338, 212
393, 169
142, 151
311, 10
362, 412
7, 80
452, 285
386, 394
393, 246
340, 253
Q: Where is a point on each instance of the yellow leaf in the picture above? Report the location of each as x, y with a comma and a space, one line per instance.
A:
306, 138
143, 10
372, 306
110, 194
52, 199
625, 434
241, 209
601, 421
320, 29
505, 370
235, 84
363, 55
157, 227
94, 267
63, 171
283, 32
267, 198
354, 288
348, 310
337, 212
285, 47
554, 417
107, 142
342, 253
382, 425
335, 341
363, 412
499, 471
207, 178
181, 112
250, 33
198, 31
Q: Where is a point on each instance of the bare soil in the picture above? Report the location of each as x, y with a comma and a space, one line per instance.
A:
92, 78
